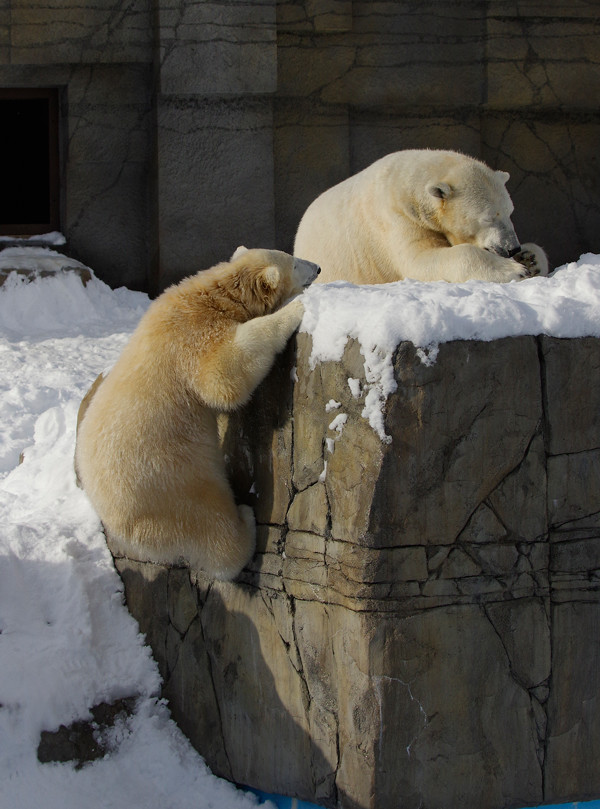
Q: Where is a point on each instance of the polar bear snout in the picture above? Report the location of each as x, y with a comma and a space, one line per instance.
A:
505, 252
500, 240
305, 271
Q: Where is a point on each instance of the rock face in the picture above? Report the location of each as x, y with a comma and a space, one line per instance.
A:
420, 624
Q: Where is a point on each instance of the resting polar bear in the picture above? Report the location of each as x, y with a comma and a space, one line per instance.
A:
422, 214
148, 453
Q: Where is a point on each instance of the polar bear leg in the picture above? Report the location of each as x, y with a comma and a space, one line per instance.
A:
203, 529
226, 538
465, 262
260, 340
238, 368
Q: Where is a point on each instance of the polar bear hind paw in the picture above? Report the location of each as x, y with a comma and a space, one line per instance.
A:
247, 517
533, 260
226, 558
528, 260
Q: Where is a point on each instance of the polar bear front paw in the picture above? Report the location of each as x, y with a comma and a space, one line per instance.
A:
291, 315
296, 307
533, 260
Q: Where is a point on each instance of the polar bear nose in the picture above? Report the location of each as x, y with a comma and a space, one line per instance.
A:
506, 252
308, 270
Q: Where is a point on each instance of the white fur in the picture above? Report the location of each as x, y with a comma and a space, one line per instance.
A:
422, 214
148, 452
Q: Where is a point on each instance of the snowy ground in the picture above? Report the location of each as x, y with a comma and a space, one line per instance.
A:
66, 639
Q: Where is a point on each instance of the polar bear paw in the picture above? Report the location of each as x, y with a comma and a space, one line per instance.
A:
290, 316
528, 260
247, 517
533, 260
295, 307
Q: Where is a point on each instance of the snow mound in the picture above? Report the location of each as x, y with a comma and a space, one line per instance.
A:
32, 305
54, 238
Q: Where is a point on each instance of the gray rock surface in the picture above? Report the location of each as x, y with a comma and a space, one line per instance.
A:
420, 624
84, 741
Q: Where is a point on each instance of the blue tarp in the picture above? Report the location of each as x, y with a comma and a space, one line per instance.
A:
283, 802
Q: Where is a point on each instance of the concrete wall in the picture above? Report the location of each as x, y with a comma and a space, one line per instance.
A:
100, 55
191, 127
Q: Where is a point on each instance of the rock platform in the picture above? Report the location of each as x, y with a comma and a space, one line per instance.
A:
420, 626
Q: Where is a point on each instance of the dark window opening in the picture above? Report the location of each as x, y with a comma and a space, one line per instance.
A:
29, 202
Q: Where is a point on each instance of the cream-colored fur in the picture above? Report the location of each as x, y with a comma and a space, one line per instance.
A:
422, 214
148, 452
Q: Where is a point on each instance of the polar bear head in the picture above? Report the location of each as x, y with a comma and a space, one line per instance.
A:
468, 203
263, 280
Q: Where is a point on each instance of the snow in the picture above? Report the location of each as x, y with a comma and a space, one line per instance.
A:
355, 387
53, 238
20, 258
565, 304
67, 641
338, 422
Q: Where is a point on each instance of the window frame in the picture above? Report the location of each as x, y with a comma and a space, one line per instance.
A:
53, 224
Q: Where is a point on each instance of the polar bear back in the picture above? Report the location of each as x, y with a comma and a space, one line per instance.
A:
422, 214
148, 453
345, 227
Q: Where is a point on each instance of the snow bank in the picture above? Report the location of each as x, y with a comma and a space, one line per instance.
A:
67, 641
54, 238
60, 305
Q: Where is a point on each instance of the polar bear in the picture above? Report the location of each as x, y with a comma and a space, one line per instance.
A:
147, 452
424, 214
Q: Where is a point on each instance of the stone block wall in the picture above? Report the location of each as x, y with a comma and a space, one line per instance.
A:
420, 624
216, 65
503, 81
191, 127
100, 57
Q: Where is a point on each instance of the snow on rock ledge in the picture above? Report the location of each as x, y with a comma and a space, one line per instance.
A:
30, 262
421, 622
566, 304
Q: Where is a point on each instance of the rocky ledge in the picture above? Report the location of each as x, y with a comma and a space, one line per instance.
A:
421, 623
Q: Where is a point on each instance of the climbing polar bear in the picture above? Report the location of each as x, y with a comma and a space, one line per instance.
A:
422, 214
148, 452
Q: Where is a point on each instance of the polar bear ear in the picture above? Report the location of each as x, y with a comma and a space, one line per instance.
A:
269, 277
440, 190
239, 252
504, 176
